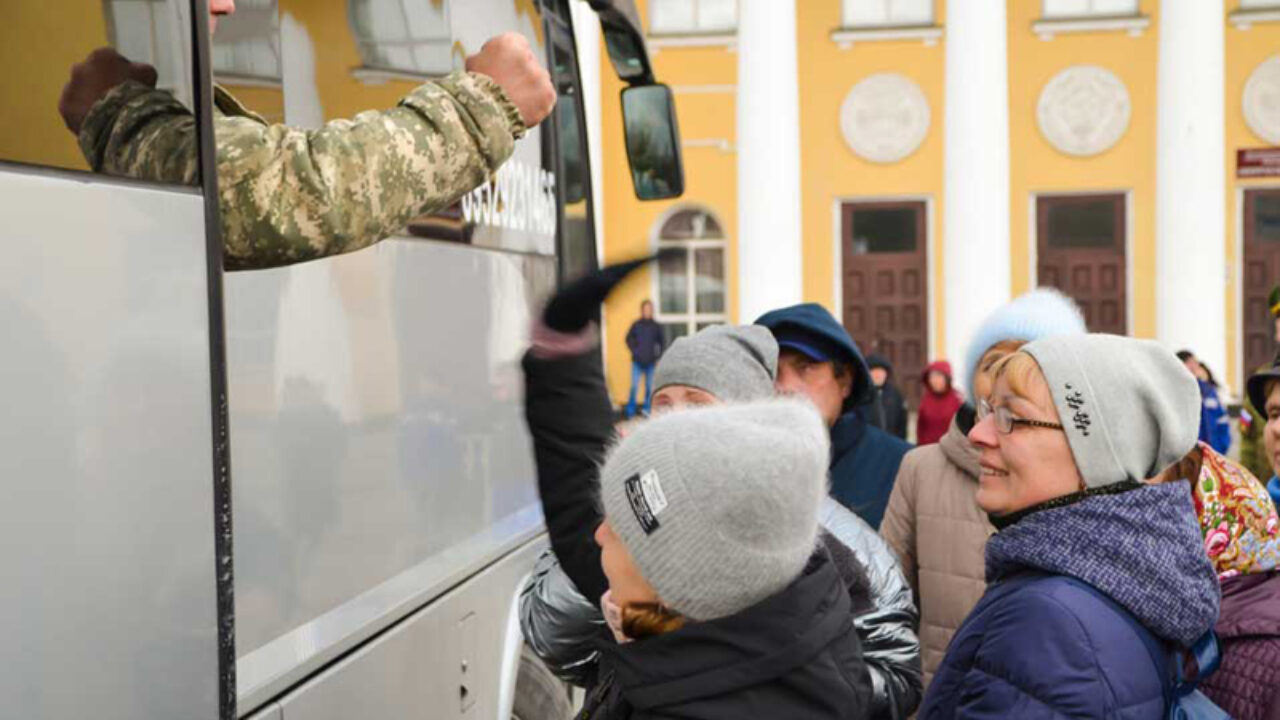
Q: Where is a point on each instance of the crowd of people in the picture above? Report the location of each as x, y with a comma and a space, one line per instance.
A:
1066, 541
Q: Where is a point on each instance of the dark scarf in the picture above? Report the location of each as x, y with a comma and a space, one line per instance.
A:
1140, 546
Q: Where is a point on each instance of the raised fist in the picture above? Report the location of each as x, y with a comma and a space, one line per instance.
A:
92, 79
509, 60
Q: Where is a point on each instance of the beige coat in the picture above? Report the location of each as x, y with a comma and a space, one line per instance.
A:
940, 534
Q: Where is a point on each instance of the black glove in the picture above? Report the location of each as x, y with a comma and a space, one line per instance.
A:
578, 303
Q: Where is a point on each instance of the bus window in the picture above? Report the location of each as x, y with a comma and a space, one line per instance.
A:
42, 41
577, 245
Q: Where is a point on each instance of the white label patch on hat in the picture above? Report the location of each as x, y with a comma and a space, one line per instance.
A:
647, 499
652, 490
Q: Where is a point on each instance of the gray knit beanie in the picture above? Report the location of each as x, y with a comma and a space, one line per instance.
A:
733, 362
718, 506
1129, 407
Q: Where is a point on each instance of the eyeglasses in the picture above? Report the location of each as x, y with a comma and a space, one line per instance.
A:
1006, 421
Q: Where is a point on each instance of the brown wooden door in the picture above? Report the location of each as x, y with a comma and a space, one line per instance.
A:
1081, 251
884, 276
1261, 273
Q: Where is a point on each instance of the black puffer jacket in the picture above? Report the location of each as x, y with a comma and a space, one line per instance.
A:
793, 655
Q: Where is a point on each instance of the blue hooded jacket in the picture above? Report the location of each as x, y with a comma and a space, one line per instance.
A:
1038, 645
864, 459
1215, 426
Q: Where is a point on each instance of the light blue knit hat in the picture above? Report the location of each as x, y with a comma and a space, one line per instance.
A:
1043, 312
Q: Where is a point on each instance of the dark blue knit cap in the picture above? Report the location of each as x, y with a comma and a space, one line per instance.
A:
811, 330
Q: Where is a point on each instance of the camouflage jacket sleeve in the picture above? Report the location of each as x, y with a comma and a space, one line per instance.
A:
288, 194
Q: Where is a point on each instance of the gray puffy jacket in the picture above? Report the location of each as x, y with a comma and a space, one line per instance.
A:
561, 625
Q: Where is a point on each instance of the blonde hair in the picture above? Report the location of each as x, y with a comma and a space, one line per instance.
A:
645, 619
1023, 375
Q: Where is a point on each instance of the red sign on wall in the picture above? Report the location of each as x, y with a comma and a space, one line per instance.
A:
1258, 162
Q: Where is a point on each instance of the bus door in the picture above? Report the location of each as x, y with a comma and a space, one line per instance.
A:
109, 378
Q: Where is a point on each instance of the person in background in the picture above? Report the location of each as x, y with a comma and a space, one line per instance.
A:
1215, 426
933, 522
1253, 419
1094, 577
1264, 392
819, 359
644, 339
887, 408
1242, 539
939, 403
722, 601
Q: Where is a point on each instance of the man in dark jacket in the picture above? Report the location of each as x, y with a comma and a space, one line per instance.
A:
887, 409
644, 339
820, 360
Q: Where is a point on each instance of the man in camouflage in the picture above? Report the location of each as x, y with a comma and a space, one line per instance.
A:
288, 194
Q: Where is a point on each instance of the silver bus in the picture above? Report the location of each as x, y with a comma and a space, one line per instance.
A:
300, 493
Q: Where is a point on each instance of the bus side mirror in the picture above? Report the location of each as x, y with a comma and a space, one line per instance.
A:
653, 142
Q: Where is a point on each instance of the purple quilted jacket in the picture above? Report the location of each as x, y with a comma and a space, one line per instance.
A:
1247, 683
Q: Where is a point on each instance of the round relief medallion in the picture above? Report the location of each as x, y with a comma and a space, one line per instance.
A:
1262, 100
1083, 110
884, 118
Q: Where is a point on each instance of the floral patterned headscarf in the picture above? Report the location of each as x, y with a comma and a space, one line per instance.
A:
1237, 518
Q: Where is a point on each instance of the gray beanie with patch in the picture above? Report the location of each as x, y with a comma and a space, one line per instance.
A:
1129, 407
718, 506
733, 362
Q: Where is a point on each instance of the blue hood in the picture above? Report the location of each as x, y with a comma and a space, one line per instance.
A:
1273, 488
813, 320
1141, 548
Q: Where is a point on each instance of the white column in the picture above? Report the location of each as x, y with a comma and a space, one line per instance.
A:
768, 140
1191, 271
976, 217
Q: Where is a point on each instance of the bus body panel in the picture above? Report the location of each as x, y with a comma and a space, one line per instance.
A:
379, 451
445, 662
379, 448
107, 511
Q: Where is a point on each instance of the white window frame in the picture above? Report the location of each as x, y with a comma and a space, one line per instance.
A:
1049, 26
691, 318
694, 36
848, 34
376, 73
1249, 13
846, 11
177, 16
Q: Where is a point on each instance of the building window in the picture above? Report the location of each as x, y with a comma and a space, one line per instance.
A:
886, 13
691, 289
693, 17
247, 46
403, 36
151, 32
1071, 9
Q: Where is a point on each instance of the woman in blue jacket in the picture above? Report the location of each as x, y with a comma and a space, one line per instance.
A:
1089, 564
1215, 424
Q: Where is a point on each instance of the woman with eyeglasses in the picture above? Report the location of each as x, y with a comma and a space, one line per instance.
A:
933, 522
1096, 579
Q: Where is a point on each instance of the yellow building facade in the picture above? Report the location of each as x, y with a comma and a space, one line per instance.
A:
1083, 84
